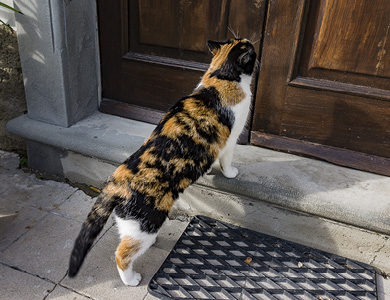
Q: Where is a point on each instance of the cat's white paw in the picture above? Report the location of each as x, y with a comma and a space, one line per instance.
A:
230, 172
129, 277
134, 280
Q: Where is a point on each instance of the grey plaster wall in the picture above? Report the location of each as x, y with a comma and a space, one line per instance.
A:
59, 56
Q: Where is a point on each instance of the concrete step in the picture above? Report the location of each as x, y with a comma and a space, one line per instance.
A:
298, 197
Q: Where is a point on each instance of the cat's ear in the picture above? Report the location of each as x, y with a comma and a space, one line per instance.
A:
213, 46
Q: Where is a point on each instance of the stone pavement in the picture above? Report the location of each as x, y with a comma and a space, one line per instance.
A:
39, 220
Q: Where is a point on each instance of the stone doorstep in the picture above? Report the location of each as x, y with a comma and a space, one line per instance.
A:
89, 151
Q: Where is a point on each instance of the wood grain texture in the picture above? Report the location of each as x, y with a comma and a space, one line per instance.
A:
353, 37
348, 122
347, 42
340, 87
130, 111
279, 41
247, 20
176, 29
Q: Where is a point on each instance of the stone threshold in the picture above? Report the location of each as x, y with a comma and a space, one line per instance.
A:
288, 181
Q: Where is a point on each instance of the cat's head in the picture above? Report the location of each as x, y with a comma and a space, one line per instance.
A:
232, 58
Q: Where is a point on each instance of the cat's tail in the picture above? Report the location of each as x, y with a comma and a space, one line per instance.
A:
90, 229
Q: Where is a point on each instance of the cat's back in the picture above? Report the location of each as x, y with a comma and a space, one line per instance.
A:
187, 140
181, 149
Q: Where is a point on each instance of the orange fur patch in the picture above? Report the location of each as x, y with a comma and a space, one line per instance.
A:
184, 183
194, 110
230, 91
179, 163
171, 129
148, 157
122, 190
127, 248
165, 203
220, 56
122, 174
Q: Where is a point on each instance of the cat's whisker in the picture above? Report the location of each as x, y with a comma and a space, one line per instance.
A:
232, 31
255, 42
252, 37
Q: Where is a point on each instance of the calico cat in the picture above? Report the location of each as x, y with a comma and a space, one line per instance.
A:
196, 131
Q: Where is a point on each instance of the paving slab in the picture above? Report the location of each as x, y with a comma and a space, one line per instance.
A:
9, 161
16, 220
61, 293
18, 188
76, 206
383, 287
99, 278
16, 285
27, 188
45, 249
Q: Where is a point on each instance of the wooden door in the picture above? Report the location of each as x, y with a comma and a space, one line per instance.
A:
324, 83
153, 52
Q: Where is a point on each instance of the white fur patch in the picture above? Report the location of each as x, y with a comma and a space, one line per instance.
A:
241, 111
132, 228
129, 277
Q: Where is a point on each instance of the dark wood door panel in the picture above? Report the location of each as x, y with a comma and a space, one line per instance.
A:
323, 83
153, 52
157, 91
176, 29
347, 122
352, 37
346, 43
279, 45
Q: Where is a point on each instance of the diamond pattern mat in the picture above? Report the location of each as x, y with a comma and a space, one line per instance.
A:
216, 260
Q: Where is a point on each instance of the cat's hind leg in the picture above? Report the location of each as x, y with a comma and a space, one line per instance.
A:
133, 244
127, 252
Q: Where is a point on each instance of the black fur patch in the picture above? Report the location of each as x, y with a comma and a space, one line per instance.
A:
142, 209
241, 59
210, 98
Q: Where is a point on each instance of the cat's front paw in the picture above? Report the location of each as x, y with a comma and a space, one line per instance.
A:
230, 172
134, 280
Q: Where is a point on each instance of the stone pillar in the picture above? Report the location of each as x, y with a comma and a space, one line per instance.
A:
59, 56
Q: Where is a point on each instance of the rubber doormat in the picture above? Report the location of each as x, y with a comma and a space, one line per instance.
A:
216, 260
